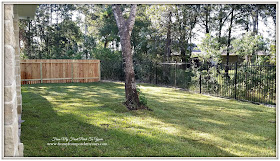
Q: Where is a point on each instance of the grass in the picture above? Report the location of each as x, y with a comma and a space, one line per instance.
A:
182, 124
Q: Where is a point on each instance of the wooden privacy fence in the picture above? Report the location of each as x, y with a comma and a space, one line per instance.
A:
59, 71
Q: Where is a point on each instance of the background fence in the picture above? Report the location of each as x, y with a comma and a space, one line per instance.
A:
59, 71
255, 83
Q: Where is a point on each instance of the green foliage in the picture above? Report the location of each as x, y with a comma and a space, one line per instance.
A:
23, 56
140, 31
65, 40
106, 54
257, 81
142, 97
248, 45
211, 48
273, 54
111, 63
185, 78
254, 83
58, 33
47, 37
105, 25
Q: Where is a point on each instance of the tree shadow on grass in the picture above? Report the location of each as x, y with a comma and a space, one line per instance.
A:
43, 122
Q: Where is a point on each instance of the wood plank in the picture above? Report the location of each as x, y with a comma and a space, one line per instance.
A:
59, 71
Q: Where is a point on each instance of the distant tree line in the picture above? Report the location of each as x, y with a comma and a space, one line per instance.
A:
88, 31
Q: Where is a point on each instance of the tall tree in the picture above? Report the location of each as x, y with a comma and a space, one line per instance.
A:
125, 27
168, 37
161, 18
229, 37
205, 17
185, 21
221, 18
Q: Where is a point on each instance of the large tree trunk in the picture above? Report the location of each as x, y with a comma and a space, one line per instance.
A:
207, 18
255, 17
207, 24
132, 100
125, 28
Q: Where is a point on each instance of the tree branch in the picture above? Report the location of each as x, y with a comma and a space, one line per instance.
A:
131, 20
226, 18
118, 15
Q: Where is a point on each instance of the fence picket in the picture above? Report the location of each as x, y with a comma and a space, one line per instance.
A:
59, 71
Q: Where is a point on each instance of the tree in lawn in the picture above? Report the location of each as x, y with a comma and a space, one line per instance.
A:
125, 27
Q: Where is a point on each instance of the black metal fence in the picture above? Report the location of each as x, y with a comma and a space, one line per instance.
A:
255, 83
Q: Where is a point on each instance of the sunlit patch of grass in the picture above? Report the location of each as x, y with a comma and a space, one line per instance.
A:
181, 123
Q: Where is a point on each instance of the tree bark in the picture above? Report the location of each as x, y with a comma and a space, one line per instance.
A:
229, 40
220, 26
125, 28
255, 19
207, 18
206, 24
105, 43
168, 38
183, 43
222, 21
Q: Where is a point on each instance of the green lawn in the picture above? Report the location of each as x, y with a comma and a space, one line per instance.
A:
181, 123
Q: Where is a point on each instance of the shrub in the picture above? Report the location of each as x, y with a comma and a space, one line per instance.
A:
142, 97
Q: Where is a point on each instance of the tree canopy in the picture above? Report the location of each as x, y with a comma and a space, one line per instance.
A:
85, 31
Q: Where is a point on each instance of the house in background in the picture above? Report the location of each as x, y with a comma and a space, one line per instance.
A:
176, 54
233, 58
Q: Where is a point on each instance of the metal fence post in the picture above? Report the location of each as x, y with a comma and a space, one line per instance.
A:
175, 73
200, 83
235, 81
150, 76
156, 74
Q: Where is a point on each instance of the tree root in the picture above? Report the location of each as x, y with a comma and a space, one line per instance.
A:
132, 106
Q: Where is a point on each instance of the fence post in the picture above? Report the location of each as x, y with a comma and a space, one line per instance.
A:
41, 74
175, 73
72, 71
99, 70
200, 83
150, 77
235, 81
156, 74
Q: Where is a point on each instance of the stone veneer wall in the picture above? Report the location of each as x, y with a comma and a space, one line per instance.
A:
12, 88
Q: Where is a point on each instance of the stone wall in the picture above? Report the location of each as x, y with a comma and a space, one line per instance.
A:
12, 92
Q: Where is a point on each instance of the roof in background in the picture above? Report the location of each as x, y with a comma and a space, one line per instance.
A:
257, 53
25, 11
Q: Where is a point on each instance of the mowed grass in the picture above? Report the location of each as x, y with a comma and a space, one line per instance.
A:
181, 124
